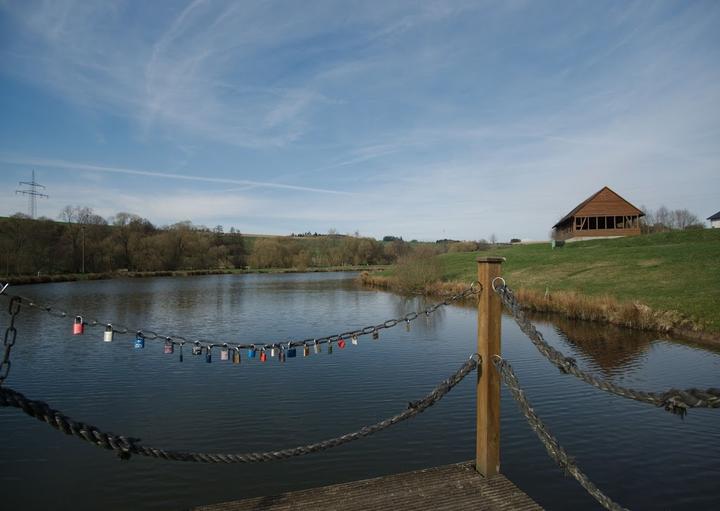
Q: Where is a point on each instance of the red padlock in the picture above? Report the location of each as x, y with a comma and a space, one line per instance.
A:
341, 343
78, 326
263, 355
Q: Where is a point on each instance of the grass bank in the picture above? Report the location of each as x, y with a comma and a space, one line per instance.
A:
665, 281
72, 277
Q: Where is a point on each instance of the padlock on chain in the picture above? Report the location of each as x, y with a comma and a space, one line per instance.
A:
169, 348
208, 353
108, 335
306, 350
375, 335
273, 351
317, 347
78, 326
407, 325
263, 355
224, 353
291, 351
251, 351
354, 340
139, 340
181, 351
236, 355
197, 349
281, 354
330, 347
341, 343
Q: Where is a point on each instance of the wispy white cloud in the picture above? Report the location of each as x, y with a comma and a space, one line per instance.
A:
445, 119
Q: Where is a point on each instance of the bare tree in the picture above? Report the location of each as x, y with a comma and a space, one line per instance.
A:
682, 219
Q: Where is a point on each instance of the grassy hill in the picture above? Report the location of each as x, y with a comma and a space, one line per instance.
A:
670, 272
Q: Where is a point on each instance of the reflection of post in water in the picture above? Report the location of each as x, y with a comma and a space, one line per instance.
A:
611, 347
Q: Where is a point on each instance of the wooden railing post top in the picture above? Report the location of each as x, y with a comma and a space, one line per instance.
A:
492, 260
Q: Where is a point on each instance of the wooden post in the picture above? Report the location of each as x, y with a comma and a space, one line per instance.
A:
487, 447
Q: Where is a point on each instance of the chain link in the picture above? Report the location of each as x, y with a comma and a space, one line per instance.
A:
673, 400
174, 339
10, 337
551, 443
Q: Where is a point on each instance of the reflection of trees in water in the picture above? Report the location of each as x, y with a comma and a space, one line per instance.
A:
611, 347
423, 323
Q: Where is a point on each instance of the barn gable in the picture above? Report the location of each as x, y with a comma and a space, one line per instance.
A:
603, 214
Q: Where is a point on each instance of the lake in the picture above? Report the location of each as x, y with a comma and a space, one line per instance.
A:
643, 457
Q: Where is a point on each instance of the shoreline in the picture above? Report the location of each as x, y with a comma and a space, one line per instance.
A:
573, 305
20, 280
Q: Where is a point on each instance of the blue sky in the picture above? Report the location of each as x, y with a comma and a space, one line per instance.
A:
420, 119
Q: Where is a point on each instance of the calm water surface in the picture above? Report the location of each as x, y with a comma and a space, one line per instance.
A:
643, 457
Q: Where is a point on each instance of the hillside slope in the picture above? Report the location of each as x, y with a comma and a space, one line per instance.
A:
673, 271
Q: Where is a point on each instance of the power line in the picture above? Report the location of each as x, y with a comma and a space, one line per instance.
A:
32, 194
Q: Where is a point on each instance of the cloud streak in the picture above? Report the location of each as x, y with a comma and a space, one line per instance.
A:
440, 119
68, 165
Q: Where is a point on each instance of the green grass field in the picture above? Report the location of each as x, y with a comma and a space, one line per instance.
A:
674, 271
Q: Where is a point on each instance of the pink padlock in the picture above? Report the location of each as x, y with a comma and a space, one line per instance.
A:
78, 326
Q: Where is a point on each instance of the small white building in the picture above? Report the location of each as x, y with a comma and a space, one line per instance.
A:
715, 220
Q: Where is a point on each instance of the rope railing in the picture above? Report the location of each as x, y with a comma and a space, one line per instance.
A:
280, 346
553, 447
126, 446
673, 400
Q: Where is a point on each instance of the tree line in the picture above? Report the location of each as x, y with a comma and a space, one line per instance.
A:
664, 219
81, 241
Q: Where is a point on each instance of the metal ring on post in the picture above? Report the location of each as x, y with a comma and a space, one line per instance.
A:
475, 286
493, 283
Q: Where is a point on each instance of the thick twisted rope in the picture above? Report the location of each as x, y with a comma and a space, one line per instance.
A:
126, 446
673, 400
551, 444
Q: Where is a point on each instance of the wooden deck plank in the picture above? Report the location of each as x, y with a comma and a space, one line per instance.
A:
451, 487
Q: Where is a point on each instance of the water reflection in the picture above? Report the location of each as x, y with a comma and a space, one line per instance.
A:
612, 349
223, 407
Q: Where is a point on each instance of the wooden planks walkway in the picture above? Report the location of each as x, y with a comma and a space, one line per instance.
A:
451, 487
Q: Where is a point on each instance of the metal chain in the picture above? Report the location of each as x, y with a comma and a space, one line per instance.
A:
553, 447
126, 446
673, 400
10, 337
175, 339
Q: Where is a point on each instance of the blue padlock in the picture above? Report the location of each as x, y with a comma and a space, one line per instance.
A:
139, 341
251, 351
291, 351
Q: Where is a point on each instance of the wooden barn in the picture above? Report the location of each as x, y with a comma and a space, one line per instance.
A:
603, 214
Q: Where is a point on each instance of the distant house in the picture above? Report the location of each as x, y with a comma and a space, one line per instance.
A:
715, 220
602, 215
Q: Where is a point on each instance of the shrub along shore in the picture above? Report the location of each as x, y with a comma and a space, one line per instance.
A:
72, 277
668, 282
